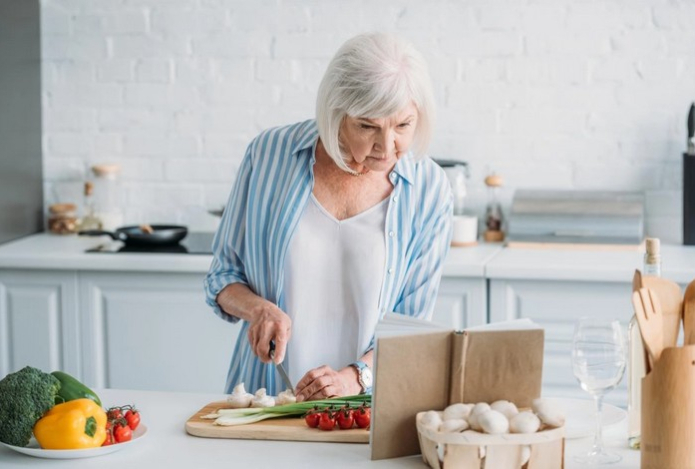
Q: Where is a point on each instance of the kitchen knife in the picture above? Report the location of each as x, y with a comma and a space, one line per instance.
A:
281, 369
691, 130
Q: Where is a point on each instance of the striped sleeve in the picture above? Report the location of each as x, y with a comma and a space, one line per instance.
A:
228, 245
424, 272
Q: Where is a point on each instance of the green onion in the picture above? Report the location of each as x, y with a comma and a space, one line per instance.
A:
256, 414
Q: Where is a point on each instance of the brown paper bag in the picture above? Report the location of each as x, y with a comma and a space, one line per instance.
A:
429, 371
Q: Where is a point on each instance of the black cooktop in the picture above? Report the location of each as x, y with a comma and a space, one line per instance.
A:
193, 243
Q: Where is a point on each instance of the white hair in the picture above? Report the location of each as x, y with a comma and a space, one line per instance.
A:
374, 75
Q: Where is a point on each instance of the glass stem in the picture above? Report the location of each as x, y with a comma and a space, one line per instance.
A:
598, 435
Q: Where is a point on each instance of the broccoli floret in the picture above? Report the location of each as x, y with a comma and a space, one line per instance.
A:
24, 397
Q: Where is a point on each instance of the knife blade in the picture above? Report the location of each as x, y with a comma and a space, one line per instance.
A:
280, 368
691, 130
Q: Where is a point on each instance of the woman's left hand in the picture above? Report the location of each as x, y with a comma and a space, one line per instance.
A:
324, 382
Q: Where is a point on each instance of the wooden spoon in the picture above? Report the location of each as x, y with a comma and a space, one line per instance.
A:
669, 294
650, 320
689, 314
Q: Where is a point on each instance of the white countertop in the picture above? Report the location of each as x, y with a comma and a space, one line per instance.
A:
56, 252
678, 264
166, 444
67, 252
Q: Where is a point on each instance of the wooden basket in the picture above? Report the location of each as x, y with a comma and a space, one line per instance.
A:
668, 411
465, 450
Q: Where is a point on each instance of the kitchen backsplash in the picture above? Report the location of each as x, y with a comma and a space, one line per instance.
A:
550, 94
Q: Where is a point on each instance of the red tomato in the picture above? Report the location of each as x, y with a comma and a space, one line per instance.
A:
114, 413
109, 437
345, 419
122, 433
363, 417
326, 421
133, 418
312, 419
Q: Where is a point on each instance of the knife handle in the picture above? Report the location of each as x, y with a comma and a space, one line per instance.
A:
272, 350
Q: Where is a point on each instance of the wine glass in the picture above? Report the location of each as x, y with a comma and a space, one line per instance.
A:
598, 360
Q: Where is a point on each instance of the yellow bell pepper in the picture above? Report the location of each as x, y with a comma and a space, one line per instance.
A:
77, 424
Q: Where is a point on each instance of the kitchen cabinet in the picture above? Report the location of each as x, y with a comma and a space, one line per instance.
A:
556, 305
152, 331
461, 302
39, 325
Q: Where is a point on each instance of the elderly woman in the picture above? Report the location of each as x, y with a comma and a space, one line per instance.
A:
333, 222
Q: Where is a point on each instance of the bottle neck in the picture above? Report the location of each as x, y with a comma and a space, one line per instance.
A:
652, 265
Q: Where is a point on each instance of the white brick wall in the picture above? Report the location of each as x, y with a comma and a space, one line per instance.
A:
551, 94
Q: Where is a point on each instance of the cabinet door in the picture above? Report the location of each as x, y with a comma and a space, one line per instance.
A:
38, 321
153, 331
461, 302
556, 305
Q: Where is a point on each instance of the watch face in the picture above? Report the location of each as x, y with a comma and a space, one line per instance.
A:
367, 377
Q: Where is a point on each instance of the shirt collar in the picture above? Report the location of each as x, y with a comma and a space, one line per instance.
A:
308, 134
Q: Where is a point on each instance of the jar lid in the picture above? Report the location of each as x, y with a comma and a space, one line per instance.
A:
106, 169
493, 180
61, 208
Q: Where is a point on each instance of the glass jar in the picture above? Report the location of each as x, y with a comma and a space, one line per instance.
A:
107, 196
457, 173
62, 218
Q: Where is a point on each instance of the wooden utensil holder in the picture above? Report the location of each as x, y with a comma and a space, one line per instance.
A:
668, 411
474, 450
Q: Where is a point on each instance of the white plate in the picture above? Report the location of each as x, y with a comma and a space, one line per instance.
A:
34, 450
580, 416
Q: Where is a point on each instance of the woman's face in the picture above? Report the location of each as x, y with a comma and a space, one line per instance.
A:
376, 144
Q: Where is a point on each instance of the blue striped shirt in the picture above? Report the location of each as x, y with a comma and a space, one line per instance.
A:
272, 188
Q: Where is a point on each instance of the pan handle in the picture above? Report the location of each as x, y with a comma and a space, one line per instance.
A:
114, 236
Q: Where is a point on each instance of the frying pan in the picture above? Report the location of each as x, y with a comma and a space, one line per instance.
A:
136, 236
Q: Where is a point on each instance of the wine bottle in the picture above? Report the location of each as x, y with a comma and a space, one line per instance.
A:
637, 360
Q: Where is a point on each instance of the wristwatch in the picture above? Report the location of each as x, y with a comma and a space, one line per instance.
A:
364, 376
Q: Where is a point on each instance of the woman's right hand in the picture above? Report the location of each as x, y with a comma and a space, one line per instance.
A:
268, 322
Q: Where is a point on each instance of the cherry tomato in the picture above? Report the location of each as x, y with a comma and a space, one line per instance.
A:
114, 413
133, 418
326, 421
345, 419
312, 419
109, 438
122, 433
363, 417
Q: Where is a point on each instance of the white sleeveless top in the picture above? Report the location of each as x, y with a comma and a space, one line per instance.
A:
333, 276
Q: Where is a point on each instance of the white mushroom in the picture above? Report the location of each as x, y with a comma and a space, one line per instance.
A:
261, 399
493, 422
239, 398
453, 426
505, 407
524, 422
525, 454
457, 411
431, 419
477, 410
285, 397
548, 412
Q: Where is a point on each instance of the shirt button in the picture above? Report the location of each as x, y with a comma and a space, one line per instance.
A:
393, 175
391, 233
390, 271
395, 198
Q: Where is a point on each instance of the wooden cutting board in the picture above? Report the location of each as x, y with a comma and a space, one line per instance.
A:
288, 429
